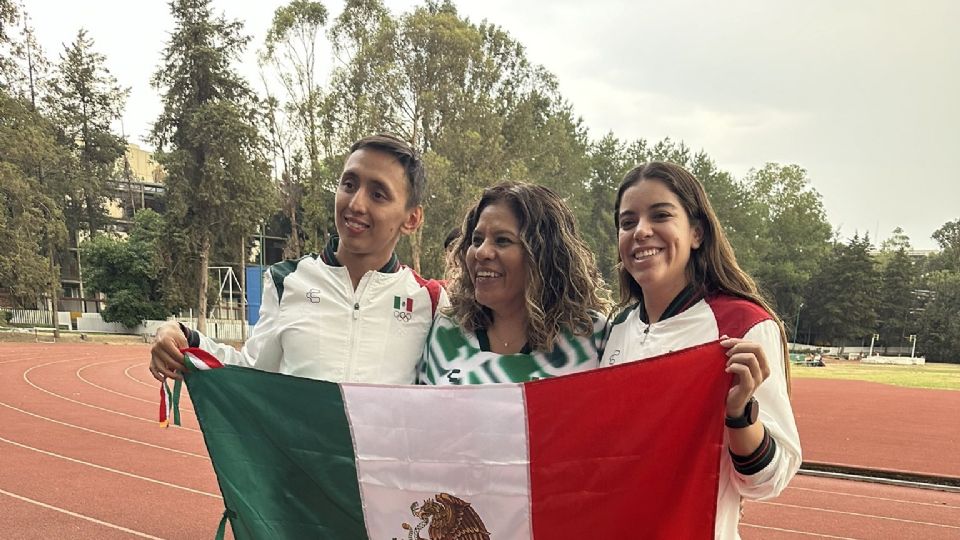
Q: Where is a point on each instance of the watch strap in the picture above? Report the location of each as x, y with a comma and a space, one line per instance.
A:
747, 419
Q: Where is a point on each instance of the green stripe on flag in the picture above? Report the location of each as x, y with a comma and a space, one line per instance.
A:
396, 302
268, 456
175, 401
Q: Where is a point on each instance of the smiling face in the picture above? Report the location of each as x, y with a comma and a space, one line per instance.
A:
371, 208
496, 260
656, 238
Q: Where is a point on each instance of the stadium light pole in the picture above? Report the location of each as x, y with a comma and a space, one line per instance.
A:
913, 338
872, 339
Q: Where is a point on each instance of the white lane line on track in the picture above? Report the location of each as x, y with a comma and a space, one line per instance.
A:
81, 428
858, 514
54, 394
108, 469
97, 386
805, 533
136, 380
79, 516
21, 359
902, 501
40, 356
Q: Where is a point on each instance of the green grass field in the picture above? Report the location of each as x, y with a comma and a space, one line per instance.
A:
939, 376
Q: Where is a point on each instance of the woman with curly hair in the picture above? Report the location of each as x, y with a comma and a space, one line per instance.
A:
525, 294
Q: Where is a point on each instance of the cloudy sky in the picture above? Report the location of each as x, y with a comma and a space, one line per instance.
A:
864, 94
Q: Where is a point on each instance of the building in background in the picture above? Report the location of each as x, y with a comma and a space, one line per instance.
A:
138, 184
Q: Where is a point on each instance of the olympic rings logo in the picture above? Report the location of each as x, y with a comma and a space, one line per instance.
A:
402, 316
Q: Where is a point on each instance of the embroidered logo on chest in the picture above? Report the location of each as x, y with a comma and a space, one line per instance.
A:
313, 295
402, 308
614, 358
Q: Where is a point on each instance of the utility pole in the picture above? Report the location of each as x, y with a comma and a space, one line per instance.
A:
54, 291
243, 289
796, 324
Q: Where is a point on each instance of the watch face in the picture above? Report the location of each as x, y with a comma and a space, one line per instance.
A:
753, 410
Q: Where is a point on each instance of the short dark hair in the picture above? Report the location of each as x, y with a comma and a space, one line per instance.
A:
408, 158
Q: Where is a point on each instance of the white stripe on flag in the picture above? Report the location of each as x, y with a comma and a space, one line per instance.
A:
195, 362
410, 447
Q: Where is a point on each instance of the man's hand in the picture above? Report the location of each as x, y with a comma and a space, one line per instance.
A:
166, 360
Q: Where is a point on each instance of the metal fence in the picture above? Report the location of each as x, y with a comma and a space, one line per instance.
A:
219, 329
38, 317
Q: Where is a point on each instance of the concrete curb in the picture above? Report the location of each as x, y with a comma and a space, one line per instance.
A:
882, 476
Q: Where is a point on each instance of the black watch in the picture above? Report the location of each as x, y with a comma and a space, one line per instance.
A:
749, 418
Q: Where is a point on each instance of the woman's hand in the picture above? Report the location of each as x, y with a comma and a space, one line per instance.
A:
165, 356
748, 364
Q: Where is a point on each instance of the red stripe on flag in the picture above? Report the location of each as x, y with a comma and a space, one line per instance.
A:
205, 357
163, 406
410, 305
645, 465
164, 416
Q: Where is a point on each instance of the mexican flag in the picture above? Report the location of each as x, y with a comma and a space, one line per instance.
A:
631, 451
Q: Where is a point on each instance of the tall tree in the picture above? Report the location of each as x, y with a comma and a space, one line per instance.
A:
22, 70
608, 165
31, 222
841, 296
354, 105
897, 298
939, 334
84, 100
291, 48
218, 185
791, 235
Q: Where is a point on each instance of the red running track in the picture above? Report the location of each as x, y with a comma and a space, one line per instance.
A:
878, 426
82, 457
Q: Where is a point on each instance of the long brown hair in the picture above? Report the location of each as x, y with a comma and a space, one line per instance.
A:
713, 266
562, 283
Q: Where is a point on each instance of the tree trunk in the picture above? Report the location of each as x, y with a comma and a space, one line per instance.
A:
204, 282
295, 248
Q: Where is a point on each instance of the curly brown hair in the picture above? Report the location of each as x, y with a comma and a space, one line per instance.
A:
563, 284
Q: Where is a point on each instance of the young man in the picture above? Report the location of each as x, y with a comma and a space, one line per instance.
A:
352, 313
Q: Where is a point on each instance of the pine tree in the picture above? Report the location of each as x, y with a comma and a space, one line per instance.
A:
842, 295
218, 185
84, 100
896, 299
31, 222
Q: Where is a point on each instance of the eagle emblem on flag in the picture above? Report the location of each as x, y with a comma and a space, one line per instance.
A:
446, 517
